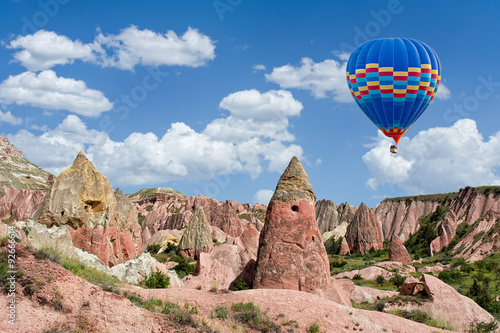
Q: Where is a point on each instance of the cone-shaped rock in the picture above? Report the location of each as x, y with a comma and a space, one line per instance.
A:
291, 253
198, 237
364, 231
398, 252
101, 222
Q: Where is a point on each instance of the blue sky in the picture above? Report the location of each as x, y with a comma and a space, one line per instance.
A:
215, 97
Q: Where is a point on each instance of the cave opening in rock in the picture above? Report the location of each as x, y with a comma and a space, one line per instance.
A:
92, 206
295, 208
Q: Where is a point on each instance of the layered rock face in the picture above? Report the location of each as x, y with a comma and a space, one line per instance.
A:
398, 252
22, 184
480, 212
197, 238
329, 215
400, 217
167, 211
364, 231
101, 221
291, 253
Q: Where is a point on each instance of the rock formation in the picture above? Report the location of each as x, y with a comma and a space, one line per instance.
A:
22, 184
398, 252
101, 221
446, 303
172, 210
364, 231
197, 237
344, 247
291, 253
400, 217
329, 215
479, 209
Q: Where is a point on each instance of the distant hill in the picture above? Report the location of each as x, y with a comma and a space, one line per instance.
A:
18, 173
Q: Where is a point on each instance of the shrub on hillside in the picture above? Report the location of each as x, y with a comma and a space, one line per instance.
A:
157, 280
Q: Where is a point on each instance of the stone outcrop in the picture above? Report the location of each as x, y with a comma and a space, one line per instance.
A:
364, 231
478, 210
446, 303
22, 184
101, 221
329, 215
400, 217
398, 252
291, 253
338, 232
173, 210
370, 295
344, 247
197, 237
17, 205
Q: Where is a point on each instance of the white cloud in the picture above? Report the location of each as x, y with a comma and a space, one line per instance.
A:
263, 197
443, 92
259, 67
255, 114
440, 159
7, 117
133, 46
45, 49
47, 90
322, 79
144, 158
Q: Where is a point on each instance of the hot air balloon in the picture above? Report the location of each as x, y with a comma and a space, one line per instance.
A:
393, 80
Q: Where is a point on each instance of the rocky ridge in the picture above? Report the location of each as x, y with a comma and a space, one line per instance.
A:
22, 184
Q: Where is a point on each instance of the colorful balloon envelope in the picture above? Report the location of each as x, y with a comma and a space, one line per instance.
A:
393, 80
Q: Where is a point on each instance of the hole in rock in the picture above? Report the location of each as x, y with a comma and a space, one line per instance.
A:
92, 206
295, 208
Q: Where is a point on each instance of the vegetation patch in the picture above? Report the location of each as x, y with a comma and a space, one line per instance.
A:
146, 192
439, 197
157, 280
419, 242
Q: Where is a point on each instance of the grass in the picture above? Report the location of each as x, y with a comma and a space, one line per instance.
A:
92, 275
439, 197
180, 315
250, 315
422, 317
145, 192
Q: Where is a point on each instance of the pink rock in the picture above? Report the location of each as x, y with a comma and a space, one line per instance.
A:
400, 218
249, 239
344, 247
291, 253
20, 204
364, 231
398, 252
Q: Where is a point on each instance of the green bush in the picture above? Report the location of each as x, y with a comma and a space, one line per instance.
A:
332, 245
483, 327
380, 305
157, 280
416, 315
183, 268
337, 264
380, 279
313, 328
153, 248
241, 285
398, 280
